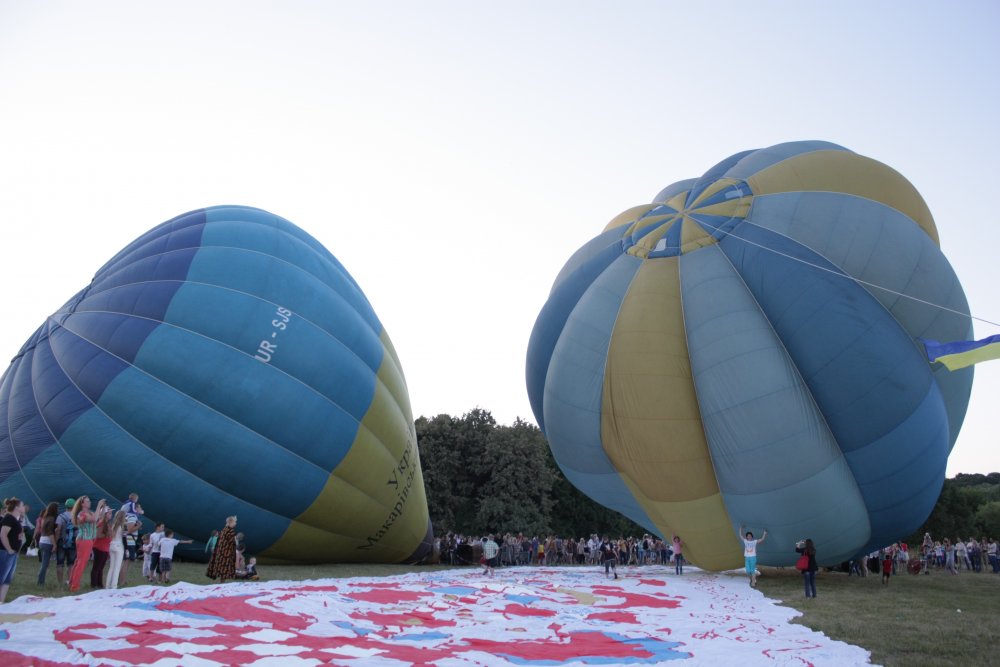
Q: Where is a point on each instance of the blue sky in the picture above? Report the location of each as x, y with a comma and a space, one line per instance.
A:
453, 155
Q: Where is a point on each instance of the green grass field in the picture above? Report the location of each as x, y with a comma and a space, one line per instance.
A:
915, 620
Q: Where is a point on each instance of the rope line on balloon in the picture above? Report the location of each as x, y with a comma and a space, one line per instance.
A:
840, 274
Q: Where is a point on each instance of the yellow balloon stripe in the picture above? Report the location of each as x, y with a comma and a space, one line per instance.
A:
629, 216
664, 459
377, 490
849, 173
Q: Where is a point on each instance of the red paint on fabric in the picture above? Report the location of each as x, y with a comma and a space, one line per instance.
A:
312, 589
523, 610
614, 617
140, 655
411, 619
73, 633
229, 656
237, 608
652, 582
387, 596
575, 646
630, 600
11, 659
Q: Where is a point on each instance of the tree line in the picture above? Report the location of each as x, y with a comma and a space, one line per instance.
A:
969, 506
482, 477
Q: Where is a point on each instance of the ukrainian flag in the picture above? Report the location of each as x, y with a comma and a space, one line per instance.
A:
963, 353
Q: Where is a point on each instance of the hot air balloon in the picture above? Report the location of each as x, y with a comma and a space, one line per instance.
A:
745, 350
224, 363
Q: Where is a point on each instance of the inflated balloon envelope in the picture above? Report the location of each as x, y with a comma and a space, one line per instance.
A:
744, 350
223, 363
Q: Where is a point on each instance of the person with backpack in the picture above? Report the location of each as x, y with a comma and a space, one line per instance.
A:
65, 541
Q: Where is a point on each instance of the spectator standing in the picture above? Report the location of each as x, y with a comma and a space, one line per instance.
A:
132, 545
678, 555
167, 544
809, 574
85, 523
750, 553
116, 549
962, 554
102, 543
11, 540
46, 539
210, 545
65, 546
949, 556
154, 552
490, 551
222, 566
887, 559
975, 558
609, 557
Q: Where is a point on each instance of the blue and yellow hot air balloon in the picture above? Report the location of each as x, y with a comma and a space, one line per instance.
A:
745, 349
223, 363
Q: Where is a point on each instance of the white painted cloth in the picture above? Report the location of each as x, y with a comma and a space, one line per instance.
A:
522, 616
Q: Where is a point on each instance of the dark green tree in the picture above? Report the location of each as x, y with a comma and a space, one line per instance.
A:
516, 494
988, 519
450, 450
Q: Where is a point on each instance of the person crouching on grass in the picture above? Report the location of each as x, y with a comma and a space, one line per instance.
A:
167, 544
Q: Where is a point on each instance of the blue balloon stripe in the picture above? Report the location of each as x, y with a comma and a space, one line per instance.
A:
848, 232
224, 452
168, 266
574, 387
297, 255
279, 339
184, 231
675, 189
122, 333
281, 283
28, 433
148, 299
552, 320
308, 356
59, 397
9, 464
756, 411
161, 480
844, 343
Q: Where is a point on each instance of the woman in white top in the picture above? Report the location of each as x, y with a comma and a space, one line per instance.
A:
116, 550
750, 553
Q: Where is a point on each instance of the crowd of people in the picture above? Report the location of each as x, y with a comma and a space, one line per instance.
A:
519, 549
78, 534
949, 556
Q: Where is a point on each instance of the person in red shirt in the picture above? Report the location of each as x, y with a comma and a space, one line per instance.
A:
887, 558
